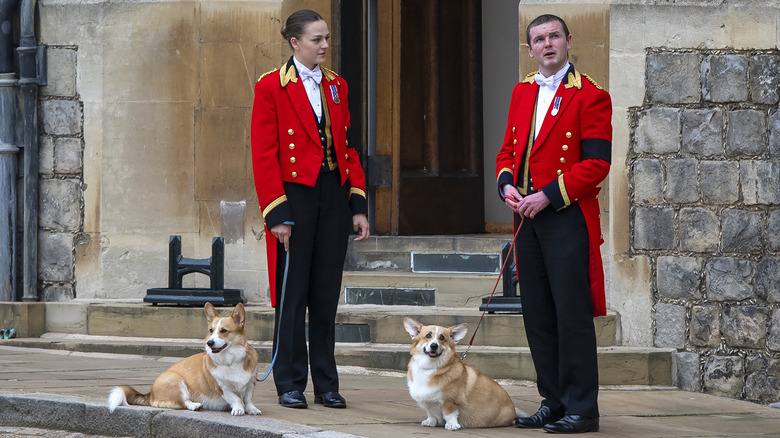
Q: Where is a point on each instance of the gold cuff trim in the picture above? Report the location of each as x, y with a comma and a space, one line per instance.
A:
275, 203
505, 169
564, 193
357, 191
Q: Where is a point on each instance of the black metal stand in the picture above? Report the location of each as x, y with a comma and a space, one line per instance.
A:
510, 301
178, 267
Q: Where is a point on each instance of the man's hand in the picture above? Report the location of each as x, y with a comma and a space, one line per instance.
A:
360, 224
282, 233
532, 204
511, 197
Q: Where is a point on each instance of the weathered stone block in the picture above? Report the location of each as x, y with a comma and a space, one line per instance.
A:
762, 384
760, 182
745, 326
705, 326
669, 326
773, 337
46, 155
57, 292
61, 72
682, 185
673, 77
648, 181
68, 156
719, 182
60, 204
61, 117
773, 230
774, 134
725, 78
723, 375
768, 279
55, 256
699, 229
688, 371
702, 132
742, 230
764, 80
728, 279
679, 278
658, 131
654, 228
746, 133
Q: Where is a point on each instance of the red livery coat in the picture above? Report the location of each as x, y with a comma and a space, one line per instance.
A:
286, 146
569, 158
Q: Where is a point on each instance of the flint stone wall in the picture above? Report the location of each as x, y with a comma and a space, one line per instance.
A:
705, 207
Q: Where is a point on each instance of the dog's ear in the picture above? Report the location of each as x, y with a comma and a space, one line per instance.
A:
211, 313
238, 315
412, 327
459, 331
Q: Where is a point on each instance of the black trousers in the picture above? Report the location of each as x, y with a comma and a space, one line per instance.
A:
318, 246
552, 264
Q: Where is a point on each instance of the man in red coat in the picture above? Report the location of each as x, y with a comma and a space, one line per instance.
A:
556, 151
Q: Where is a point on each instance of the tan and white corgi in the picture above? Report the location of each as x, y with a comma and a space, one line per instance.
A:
452, 393
221, 378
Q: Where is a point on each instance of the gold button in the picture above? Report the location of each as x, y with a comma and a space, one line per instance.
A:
346, 142
290, 131
602, 237
513, 129
514, 154
320, 131
565, 147
292, 146
563, 160
292, 159
599, 215
295, 174
346, 156
597, 196
347, 171
559, 171
568, 135
345, 128
322, 138
515, 141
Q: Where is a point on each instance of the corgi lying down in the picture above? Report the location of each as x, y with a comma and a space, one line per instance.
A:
452, 393
221, 378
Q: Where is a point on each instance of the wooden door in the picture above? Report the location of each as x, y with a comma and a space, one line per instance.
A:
429, 117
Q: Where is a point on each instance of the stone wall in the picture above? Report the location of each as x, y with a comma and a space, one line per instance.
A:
705, 209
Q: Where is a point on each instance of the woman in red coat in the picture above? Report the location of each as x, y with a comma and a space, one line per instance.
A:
311, 188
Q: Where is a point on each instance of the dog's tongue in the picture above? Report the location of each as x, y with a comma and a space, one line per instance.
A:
216, 350
433, 354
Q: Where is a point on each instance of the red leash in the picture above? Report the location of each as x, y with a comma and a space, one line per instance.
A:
510, 252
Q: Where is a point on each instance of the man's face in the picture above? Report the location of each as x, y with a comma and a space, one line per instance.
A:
550, 47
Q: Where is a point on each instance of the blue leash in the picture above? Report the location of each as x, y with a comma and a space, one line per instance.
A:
281, 308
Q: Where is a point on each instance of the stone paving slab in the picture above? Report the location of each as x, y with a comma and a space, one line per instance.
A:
57, 389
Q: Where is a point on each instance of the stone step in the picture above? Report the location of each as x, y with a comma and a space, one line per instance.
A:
622, 366
355, 324
462, 253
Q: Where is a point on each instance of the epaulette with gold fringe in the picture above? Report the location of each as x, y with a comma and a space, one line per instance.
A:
590, 79
529, 78
266, 74
328, 73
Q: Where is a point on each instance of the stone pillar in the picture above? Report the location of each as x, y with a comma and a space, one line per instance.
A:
8, 153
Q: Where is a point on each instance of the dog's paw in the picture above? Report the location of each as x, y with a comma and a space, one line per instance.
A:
237, 411
430, 422
193, 406
251, 410
452, 426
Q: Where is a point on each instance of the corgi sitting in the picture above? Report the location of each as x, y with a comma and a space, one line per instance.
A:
222, 377
452, 393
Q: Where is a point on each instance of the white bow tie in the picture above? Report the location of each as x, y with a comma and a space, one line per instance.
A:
315, 74
545, 82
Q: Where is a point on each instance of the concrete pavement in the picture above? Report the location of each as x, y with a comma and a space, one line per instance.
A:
66, 391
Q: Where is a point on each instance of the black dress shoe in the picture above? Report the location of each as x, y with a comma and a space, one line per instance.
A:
330, 400
573, 424
293, 399
543, 416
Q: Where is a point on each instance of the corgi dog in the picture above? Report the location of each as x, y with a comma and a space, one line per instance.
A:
221, 378
452, 393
